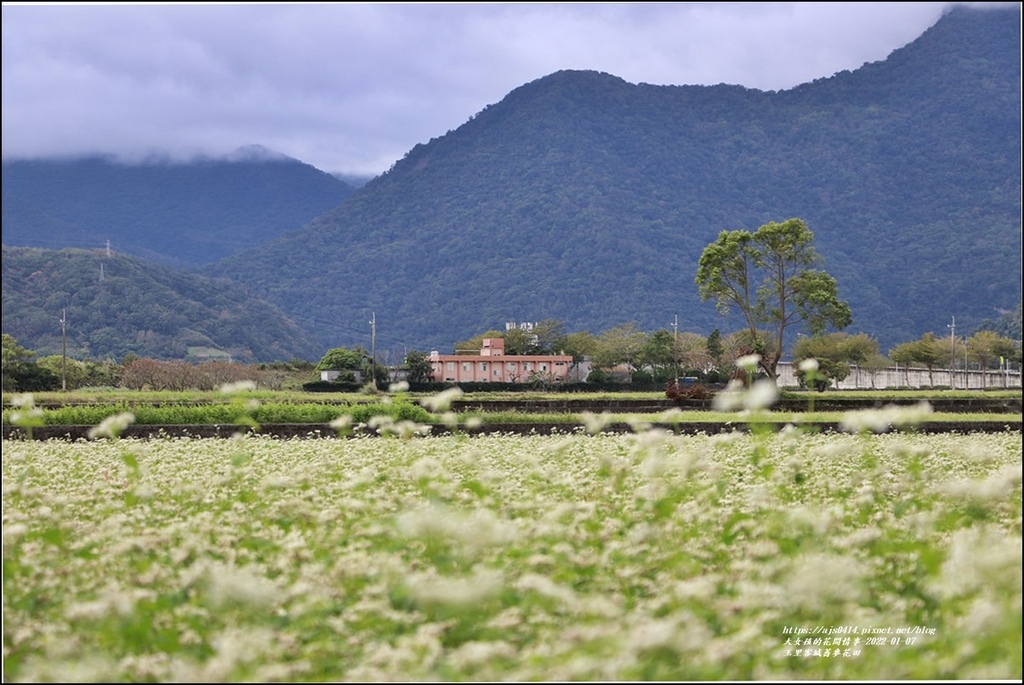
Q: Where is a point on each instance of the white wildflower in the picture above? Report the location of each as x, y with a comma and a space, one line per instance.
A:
998, 486
595, 423
473, 653
112, 426
809, 365
881, 420
475, 530
480, 586
400, 386
761, 395
23, 400
819, 580
230, 584
978, 557
730, 398
442, 401
342, 423
239, 386
543, 585
749, 362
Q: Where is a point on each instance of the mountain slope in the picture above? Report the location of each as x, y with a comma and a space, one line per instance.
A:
584, 198
116, 304
180, 214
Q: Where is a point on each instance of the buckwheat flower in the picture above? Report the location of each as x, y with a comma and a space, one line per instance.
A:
749, 362
400, 386
984, 615
980, 557
998, 486
29, 416
13, 532
809, 365
112, 426
819, 580
380, 422
230, 584
442, 401
731, 398
112, 602
543, 585
653, 634
476, 588
473, 653
405, 429
342, 423
476, 530
507, 619
239, 386
595, 423
426, 468
761, 395
23, 400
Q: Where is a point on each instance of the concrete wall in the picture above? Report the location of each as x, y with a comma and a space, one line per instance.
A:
902, 377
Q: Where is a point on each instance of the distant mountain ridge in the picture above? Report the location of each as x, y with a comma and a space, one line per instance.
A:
176, 213
116, 305
584, 198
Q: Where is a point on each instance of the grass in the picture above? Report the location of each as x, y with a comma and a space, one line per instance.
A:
115, 396
253, 412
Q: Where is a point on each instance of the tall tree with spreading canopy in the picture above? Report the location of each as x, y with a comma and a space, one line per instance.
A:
770, 276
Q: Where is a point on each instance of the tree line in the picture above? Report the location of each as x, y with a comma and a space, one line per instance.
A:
771, 276
622, 353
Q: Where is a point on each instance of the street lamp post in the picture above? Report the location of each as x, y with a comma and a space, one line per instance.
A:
675, 346
952, 353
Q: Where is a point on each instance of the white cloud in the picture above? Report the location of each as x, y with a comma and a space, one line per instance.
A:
351, 87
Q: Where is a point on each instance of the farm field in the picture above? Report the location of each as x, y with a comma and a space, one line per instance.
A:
771, 555
250, 410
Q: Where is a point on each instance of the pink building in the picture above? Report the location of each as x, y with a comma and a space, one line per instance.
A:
492, 365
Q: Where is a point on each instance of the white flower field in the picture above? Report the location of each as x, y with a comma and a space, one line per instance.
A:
648, 556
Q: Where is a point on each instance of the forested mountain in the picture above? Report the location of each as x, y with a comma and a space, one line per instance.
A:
578, 197
584, 198
115, 304
179, 214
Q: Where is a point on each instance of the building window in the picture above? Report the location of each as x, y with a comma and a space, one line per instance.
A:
483, 366
450, 366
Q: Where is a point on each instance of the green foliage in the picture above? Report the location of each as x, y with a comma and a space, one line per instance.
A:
343, 359
418, 366
834, 353
224, 413
768, 276
21, 373
136, 307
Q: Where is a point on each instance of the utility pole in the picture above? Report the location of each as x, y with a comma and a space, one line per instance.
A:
373, 349
675, 346
64, 353
952, 353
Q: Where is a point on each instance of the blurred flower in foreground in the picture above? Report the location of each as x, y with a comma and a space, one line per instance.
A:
112, 426
889, 416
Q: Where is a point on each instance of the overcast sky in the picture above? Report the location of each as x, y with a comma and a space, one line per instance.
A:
351, 87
